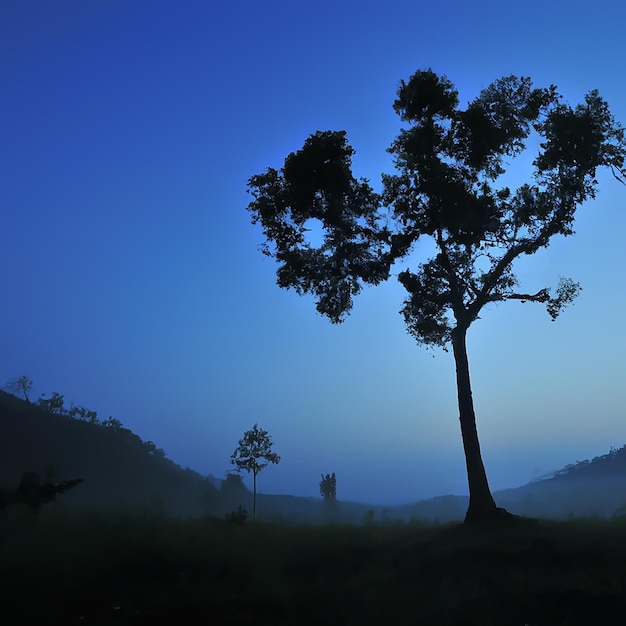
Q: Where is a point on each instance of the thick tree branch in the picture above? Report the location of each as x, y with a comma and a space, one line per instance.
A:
456, 291
543, 295
494, 276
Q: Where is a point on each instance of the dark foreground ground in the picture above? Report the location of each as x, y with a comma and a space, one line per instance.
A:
140, 569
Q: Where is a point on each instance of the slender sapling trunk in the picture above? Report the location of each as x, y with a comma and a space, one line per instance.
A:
254, 497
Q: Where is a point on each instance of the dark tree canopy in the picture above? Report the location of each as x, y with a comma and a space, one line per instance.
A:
328, 487
316, 183
448, 161
447, 187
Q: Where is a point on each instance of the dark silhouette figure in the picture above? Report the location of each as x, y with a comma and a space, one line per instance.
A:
33, 493
328, 487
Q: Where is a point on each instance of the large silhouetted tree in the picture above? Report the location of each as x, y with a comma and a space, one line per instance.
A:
253, 453
446, 188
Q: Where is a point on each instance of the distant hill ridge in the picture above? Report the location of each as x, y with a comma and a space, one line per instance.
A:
589, 488
121, 471
610, 464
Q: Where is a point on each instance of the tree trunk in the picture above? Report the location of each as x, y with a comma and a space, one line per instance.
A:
481, 504
254, 499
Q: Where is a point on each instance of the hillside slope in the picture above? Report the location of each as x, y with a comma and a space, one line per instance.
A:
590, 488
120, 471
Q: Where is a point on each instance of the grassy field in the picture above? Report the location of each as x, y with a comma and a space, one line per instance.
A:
94, 568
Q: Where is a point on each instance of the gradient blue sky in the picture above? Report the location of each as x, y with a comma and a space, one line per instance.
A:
131, 277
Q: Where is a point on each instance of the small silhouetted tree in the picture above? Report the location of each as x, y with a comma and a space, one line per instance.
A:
447, 190
328, 487
21, 384
54, 404
112, 423
33, 491
83, 414
253, 453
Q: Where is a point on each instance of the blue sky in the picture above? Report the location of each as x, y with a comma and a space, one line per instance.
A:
132, 281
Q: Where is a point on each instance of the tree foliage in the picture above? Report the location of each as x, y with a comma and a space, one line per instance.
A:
82, 413
21, 384
113, 423
447, 188
448, 161
328, 487
54, 404
316, 183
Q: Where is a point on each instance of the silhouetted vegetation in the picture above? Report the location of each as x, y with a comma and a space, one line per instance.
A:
21, 384
328, 487
55, 404
254, 453
447, 189
237, 517
32, 491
